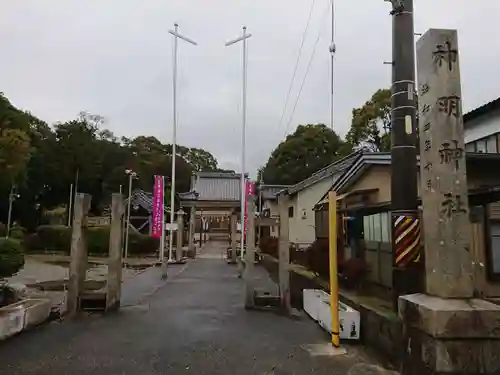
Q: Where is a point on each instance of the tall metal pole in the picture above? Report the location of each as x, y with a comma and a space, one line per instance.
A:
332, 58
403, 151
174, 140
70, 207
77, 177
72, 196
176, 35
243, 38
9, 215
130, 176
243, 142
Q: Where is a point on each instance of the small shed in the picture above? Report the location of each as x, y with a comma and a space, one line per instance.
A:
141, 210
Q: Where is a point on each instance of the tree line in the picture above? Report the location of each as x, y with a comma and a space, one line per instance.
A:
41, 162
314, 146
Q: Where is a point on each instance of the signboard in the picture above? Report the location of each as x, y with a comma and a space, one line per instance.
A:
158, 207
171, 226
249, 190
98, 221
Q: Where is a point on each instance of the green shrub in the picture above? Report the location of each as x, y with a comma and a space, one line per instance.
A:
58, 238
141, 244
11, 257
17, 232
54, 237
31, 243
98, 240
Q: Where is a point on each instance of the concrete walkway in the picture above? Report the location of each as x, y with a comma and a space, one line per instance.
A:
194, 323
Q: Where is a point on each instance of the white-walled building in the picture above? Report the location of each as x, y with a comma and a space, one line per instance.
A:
482, 134
482, 128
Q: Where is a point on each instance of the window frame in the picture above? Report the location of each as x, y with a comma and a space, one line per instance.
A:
491, 275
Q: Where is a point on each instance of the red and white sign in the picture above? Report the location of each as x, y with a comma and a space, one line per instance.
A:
249, 190
158, 207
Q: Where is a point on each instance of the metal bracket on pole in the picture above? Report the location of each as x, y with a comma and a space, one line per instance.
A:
176, 35
243, 38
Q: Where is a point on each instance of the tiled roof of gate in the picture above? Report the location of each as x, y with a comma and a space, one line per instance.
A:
214, 186
143, 199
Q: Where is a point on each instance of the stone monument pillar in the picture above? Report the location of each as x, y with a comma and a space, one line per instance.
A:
284, 252
447, 330
248, 271
78, 262
191, 246
180, 235
233, 222
114, 283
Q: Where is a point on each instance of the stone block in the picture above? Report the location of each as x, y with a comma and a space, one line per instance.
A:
451, 318
448, 262
37, 311
431, 356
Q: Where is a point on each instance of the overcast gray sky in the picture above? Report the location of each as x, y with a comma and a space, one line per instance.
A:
114, 58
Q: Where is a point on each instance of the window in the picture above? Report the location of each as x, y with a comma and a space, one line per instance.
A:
491, 144
385, 227
377, 228
290, 211
470, 147
377, 235
366, 227
495, 246
481, 146
321, 223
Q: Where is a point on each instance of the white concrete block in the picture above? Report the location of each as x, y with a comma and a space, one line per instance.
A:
11, 321
317, 305
37, 311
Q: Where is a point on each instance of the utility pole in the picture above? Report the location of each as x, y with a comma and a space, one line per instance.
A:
332, 50
176, 35
72, 196
404, 215
243, 38
12, 197
70, 206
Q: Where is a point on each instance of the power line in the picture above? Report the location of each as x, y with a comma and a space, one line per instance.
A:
297, 62
307, 71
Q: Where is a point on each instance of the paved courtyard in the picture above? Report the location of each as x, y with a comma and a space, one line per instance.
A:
193, 323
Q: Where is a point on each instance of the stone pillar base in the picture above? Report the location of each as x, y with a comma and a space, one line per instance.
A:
450, 336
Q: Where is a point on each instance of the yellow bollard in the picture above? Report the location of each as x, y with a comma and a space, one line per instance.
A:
334, 283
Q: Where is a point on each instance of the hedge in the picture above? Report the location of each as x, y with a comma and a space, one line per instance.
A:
57, 238
11, 257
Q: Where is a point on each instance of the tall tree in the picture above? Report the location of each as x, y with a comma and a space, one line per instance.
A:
43, 162
307, 150
15, 152
371, 123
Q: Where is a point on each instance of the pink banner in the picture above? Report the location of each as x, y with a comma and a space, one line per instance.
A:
249, 190
158, 208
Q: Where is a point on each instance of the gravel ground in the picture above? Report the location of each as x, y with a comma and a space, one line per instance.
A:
192, 323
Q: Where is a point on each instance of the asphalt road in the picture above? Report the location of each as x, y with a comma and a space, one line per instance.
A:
194, 323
